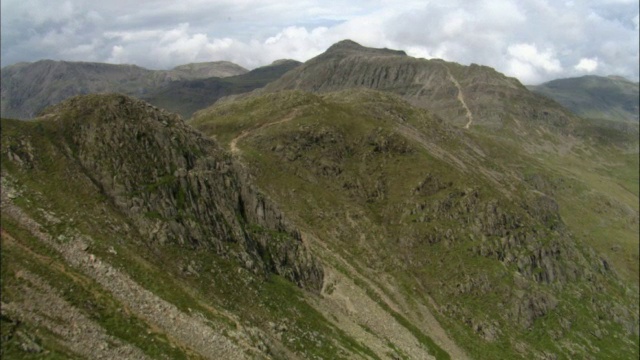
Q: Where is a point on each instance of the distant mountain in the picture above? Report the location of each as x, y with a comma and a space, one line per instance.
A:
463, 95
206, 70
27, 88
188, 96
611, 98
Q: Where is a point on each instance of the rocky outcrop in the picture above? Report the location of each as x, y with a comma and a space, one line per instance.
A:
533, 237
178, 186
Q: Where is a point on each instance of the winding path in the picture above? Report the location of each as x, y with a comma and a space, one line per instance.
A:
461, 98
233, 145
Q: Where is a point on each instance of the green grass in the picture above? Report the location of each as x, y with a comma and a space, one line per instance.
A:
288, 161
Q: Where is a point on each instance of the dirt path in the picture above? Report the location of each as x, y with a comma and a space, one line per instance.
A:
233, 145
461, 98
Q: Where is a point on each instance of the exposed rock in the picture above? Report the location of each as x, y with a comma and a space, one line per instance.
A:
178, 186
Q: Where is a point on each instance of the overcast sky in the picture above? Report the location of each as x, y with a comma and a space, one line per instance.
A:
533, 40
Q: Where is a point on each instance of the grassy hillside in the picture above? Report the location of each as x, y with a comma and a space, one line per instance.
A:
494, 238
125, 234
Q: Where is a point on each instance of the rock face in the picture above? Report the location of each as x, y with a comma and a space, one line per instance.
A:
27, 88
177, 186
463, 95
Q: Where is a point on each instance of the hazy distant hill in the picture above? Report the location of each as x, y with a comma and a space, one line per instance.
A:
463, 95
27, 88
188, 96
612, 97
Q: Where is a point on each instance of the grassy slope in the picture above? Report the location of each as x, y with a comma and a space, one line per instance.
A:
340, 169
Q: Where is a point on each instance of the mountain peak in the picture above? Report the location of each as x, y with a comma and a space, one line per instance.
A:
284, 61
350, 46
209, 69
346, 45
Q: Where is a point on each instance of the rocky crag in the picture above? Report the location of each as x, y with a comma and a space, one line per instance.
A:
175, 185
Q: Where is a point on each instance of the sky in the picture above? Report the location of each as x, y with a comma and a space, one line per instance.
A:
532, 40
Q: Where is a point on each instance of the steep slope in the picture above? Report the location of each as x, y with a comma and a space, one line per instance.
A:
27, 88
463, 95
463, 240
188, 96
611, 98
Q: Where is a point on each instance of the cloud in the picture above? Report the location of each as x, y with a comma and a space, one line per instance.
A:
587, 65
529, 53
534, 40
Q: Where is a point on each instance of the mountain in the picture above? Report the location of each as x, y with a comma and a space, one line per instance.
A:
27, 88
463, 95
332, 220
611, 98
188, 96
205, 70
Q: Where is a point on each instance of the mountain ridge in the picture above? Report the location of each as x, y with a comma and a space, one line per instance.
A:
464, 95
184, 89
28, 88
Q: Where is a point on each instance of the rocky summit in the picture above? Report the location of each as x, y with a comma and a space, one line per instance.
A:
362, 205
463, 95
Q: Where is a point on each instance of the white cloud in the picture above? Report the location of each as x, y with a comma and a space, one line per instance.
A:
529, 53
534, 40
587, 65
117, 55
529, 64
